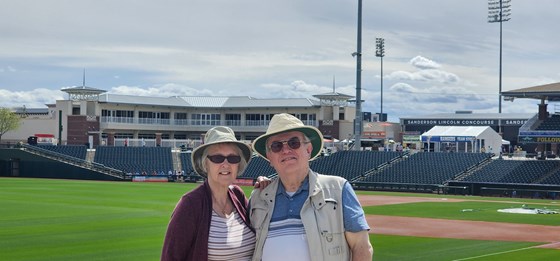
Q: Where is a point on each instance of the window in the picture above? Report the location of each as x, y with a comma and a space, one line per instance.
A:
123, 135
258, 119
151, 117
205, 119
233, 119
75, 110
181, 118
180, 136
148, 136
120, 116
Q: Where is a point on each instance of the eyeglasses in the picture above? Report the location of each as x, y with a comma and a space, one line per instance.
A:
294, 143
232, 159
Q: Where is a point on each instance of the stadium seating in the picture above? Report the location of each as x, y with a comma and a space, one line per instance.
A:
511, 171
428, 168
187, 164
142, 160
352, 164
553, 179
76, 151
550, 123
258, 166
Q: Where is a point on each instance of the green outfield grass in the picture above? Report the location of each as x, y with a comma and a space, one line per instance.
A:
468, 210
47, 219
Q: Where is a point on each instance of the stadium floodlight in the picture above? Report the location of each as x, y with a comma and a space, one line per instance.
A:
499, 11
380, 52
358, 122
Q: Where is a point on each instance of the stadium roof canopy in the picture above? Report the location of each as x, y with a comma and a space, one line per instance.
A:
550, 92
209, 101
333, 96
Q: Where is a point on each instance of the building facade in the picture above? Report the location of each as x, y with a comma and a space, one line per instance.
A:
91, 116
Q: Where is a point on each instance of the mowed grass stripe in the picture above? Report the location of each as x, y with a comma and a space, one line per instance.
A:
390, 247
467, 210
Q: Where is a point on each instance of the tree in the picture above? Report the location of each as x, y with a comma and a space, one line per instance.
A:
8, 121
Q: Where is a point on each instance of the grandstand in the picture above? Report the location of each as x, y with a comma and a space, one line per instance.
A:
428, 172
353, 165
551, 123
510, 171
433, 168
76, 151
258, 166
188, 170
136, 160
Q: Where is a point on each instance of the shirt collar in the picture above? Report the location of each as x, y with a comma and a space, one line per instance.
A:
304, 187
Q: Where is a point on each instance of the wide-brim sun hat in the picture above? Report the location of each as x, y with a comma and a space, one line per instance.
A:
285, 122
217, 135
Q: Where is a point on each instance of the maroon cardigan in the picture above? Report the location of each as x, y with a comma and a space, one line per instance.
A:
189, 227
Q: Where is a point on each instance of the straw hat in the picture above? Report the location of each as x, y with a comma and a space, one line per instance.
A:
284, 122
217, 135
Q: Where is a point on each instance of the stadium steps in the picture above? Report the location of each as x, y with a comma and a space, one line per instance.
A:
177, 164
547, 175
473, 169
379, 169
82, 163
90, 155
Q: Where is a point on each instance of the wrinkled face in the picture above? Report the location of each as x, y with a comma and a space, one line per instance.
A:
287, 159
223, 173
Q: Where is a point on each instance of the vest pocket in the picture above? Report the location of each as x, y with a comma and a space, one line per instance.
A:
332, 242
331, 228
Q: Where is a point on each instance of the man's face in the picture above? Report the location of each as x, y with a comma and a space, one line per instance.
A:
286, 159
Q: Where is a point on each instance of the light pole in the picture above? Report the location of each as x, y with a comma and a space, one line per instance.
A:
358, 54
499, 11
380, 52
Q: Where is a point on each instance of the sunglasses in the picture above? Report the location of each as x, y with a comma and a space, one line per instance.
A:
294, 143
232, 159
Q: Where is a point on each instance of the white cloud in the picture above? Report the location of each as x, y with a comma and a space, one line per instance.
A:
296, 89
166, 90
428, 75
424, 63
244, 47
37, 98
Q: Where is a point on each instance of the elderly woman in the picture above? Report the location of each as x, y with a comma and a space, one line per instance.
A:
211, 222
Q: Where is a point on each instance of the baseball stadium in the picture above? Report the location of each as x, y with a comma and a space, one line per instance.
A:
97, 175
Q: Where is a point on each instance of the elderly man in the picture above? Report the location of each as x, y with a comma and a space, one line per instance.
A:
304, 215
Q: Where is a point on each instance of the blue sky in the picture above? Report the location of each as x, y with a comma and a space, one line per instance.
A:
441, 55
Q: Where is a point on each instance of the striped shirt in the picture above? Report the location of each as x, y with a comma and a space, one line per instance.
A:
286, 240
230, 238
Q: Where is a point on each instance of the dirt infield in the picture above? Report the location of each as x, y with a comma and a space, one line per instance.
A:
458, 229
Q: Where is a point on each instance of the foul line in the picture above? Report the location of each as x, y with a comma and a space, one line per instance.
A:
498, 253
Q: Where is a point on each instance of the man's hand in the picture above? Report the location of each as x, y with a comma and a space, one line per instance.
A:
262, 182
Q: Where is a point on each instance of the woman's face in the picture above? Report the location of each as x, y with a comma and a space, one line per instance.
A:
223, 173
